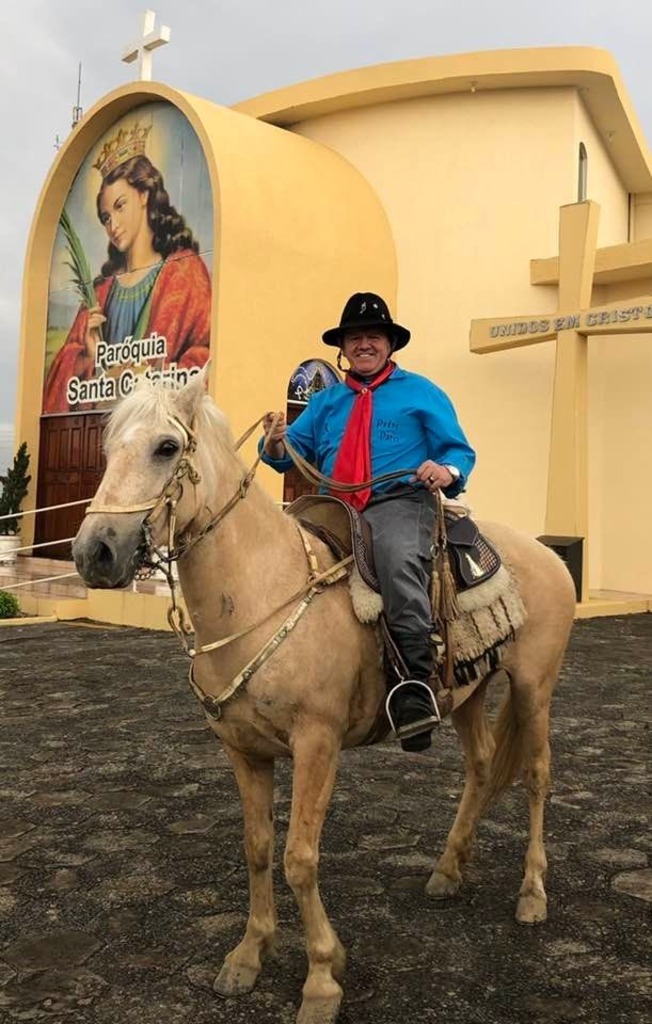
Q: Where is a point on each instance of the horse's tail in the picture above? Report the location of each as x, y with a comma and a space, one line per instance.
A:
508, 753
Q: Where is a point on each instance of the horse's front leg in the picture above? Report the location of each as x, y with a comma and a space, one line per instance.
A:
242, 965
315, 751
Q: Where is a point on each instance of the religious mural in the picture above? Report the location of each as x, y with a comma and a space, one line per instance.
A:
130, 278
310, 376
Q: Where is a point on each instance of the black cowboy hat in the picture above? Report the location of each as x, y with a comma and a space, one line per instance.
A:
364, 309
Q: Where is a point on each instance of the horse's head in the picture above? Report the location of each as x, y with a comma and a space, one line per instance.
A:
152, 467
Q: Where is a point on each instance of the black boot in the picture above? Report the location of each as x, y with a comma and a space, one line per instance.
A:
411, 705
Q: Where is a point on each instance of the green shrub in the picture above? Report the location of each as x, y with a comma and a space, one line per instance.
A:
9, 607
14, 485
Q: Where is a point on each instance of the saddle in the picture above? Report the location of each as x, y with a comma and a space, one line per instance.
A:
472, 558
341, 527
488, 616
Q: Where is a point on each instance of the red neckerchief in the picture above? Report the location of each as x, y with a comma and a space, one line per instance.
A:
353, 461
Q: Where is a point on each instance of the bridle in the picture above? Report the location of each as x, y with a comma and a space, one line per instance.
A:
173, 491
155, 558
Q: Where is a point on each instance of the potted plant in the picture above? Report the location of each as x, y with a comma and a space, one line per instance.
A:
13, 488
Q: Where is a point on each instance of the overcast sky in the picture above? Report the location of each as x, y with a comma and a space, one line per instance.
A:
228, 50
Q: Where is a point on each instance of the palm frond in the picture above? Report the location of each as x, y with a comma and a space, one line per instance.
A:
78, 262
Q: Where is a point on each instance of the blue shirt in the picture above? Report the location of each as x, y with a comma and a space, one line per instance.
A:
413, 420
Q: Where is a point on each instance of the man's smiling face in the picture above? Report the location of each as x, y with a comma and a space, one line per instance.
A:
367, 349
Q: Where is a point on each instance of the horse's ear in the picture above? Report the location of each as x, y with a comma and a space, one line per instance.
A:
192, 393
203, 375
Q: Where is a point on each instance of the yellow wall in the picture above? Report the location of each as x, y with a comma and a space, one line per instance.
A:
605, 187
621, 426
472, 185
283, 257
620, 372
472, 155
604, 184
641, 216
457, 176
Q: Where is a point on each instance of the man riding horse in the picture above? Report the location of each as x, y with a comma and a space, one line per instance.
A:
379, 420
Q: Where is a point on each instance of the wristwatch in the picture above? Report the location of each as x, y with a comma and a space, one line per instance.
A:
454, 472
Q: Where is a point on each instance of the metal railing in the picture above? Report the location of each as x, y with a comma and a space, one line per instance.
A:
48, 544
45, 544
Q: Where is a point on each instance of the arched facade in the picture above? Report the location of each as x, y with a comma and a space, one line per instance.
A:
266, 208
437, 183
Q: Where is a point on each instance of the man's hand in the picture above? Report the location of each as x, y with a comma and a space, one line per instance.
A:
433, 475
274, 441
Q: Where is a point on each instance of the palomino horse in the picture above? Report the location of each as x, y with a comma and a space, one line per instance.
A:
173, 473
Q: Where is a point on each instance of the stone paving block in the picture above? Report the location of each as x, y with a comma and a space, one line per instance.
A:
58, 949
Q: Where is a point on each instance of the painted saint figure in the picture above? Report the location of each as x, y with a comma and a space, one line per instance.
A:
153, 280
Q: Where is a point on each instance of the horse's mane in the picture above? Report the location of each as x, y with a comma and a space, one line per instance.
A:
154, 403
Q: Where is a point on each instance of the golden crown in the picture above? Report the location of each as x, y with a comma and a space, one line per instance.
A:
124, 146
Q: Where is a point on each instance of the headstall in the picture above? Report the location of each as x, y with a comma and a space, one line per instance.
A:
154, 557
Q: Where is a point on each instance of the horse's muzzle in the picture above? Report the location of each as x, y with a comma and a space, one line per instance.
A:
108, 553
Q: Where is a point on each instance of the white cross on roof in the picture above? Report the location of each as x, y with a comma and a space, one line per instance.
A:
150, 39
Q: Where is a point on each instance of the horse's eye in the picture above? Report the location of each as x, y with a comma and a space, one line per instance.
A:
167, 448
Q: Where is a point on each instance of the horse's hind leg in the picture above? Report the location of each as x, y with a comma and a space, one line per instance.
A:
533, 711
242, 965
477, 742
517, 745
315, 751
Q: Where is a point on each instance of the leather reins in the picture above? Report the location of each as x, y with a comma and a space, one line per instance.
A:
156, 559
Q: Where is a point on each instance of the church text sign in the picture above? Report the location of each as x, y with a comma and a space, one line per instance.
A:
492, 335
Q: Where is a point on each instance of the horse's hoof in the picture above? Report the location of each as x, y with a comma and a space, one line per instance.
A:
531, 909
319, 1011
441, 887
235, 980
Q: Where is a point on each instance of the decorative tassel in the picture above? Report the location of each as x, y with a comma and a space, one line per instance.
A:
435, 593
449, 607
445, 589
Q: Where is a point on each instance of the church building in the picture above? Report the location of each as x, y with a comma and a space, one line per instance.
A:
501, 202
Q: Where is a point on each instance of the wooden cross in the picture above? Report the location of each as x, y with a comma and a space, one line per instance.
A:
572, 325
150, 39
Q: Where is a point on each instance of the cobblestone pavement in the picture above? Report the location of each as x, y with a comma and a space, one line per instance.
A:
122, 882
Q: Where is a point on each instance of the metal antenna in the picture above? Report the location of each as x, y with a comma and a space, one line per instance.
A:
77, 112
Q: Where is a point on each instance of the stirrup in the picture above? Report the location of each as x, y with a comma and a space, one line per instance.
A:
421, 724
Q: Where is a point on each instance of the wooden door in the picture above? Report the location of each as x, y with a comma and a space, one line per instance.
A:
71, 464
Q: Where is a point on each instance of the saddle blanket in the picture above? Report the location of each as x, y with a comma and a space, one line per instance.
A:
490, 606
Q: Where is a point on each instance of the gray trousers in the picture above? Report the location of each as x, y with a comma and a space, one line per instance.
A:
402, 522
